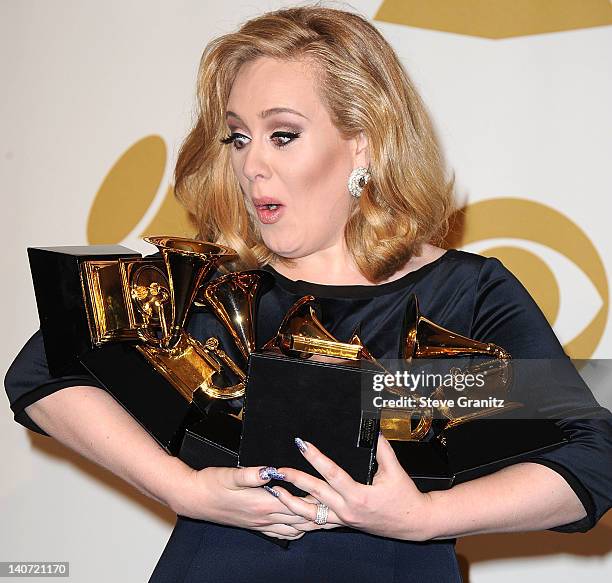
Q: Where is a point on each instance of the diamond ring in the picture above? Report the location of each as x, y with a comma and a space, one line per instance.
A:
322, 512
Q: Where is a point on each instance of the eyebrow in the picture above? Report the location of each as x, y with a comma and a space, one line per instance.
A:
268, 113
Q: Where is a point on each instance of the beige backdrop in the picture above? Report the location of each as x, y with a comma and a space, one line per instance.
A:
96, 96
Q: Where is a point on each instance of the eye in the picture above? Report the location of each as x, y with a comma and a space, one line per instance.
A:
281, 139
238, 140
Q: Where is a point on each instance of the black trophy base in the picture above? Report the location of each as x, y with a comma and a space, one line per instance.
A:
212, 442
181, 428
475, 449
142, 391
320, 402
57, 275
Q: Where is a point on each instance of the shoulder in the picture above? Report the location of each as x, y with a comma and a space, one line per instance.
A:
458, 265
455, 268
490, 280
455, 257
478, 268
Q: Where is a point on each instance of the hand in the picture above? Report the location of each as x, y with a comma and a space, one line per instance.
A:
235, 496
392, 506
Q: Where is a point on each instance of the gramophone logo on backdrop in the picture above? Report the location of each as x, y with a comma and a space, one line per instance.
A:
497, 19
125, 205
129, 191
527, 220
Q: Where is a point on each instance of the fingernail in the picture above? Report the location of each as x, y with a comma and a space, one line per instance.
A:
301, 445
272, 491
270, 473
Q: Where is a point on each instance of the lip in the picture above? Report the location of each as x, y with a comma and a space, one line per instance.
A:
264, 200
265, 215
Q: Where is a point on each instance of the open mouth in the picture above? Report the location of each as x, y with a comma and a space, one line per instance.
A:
268, 211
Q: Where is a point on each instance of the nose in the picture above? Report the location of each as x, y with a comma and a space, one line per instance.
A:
255, 165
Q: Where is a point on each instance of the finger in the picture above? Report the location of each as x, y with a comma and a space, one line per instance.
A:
290, 518
252, 476
333, 474
386, 458
281, 513
279, 528
297, 505
284, 537
305, 509
320, 489
311, 526
333, 520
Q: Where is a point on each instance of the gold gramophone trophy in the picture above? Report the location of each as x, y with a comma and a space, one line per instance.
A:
460, 439
123, 318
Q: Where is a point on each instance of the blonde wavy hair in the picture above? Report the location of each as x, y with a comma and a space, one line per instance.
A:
408, 199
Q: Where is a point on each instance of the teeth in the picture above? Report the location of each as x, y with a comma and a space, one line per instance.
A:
272, 206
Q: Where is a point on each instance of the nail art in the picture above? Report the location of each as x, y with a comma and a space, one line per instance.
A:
271, 491
301, 445
270, 473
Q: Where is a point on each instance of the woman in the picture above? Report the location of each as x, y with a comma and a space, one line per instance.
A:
313, 156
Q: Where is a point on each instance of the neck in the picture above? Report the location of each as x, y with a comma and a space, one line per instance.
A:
333, 265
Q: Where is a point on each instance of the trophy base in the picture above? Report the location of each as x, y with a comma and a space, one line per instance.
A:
475, 449
144, 393
319, 402
180, 427
67, 308
213, 441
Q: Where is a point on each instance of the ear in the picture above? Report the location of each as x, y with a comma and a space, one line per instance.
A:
361, 153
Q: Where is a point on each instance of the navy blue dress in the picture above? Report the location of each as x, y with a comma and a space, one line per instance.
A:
469, 294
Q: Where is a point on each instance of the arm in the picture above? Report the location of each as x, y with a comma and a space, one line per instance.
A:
567, 489
505, 313
88, 420
518, 498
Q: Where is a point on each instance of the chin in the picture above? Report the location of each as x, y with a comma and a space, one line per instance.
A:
284, 247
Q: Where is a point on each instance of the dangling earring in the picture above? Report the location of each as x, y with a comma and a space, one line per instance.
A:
357, 180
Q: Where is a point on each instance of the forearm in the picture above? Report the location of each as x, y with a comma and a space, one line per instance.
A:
521, 497
89, 421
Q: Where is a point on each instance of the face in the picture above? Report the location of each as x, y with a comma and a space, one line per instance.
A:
292, 163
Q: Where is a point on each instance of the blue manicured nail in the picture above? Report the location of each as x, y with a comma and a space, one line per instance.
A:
271, 491
270, 473
301, 445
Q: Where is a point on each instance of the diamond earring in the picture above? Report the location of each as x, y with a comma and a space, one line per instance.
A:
357, 180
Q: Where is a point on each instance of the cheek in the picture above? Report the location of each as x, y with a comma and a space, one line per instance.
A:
318, 178
236, 166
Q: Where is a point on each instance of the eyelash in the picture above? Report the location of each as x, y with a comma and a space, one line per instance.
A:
290, 136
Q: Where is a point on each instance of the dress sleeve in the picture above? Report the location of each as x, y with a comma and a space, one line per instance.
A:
28, 380
505, 313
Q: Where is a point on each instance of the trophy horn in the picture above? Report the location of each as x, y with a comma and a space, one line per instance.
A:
234, 298
301, 334
422, 338
187, 262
